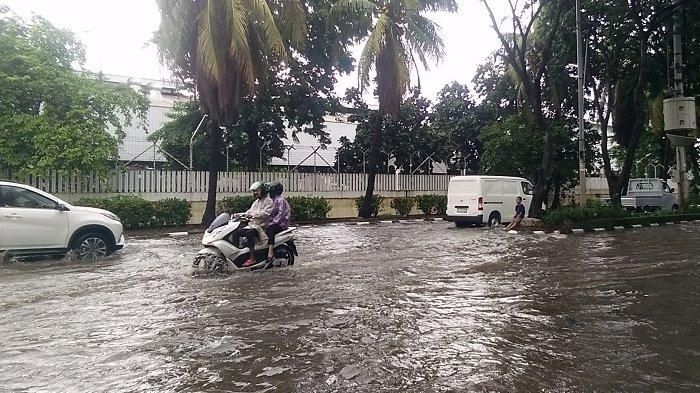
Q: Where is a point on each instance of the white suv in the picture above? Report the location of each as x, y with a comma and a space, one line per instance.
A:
35, 222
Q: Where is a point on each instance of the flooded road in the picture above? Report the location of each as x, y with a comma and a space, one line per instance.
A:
417, 307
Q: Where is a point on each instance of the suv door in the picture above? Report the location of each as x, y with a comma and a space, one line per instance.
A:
31, 220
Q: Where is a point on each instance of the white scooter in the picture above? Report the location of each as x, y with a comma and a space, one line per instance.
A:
225, 249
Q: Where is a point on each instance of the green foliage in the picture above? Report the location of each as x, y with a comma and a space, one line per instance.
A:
171, 212
309, 208
406, 139
376, 204
456, 122
432, 204
136, 212
236, 204
52, 117
577, 215
402, 205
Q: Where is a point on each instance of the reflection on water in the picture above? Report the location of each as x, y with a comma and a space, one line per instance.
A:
420, 307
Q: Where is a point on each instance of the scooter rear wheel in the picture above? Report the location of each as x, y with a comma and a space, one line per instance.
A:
210, 263
285, 254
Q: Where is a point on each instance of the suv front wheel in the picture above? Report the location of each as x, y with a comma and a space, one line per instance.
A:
92, 245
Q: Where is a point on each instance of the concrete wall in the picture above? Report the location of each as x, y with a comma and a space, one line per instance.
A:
342, 203
340, 208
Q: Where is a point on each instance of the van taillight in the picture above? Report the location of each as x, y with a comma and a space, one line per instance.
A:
481, 203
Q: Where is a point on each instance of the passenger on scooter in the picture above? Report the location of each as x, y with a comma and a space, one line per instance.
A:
279, 221
258, 217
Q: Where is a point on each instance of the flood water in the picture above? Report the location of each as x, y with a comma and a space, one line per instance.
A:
416, 307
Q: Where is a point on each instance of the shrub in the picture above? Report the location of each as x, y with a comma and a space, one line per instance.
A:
309, 208
136, 212
432, 204
132, 210
441, 204
594, 209
237, 204
376, 204
171, 212
402, 205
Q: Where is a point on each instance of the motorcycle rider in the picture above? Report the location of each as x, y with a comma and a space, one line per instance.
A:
258, 217
279, 221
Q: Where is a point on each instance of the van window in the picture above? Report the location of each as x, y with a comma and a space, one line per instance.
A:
468, 187
510, 188
492, 187
527, 188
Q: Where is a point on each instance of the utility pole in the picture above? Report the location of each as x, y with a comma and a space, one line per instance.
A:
679, 111
581, 134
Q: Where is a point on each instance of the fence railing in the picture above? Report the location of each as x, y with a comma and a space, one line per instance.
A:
181, 182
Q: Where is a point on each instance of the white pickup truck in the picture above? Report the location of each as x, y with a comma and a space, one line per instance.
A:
649, 195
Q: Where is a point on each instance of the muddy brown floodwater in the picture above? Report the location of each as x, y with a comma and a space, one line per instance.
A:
417, 307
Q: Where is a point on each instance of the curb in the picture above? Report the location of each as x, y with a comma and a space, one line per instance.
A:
439, 219
333, 224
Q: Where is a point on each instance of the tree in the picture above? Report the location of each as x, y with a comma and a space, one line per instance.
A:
627, 72
226, 47
406, 139
398, 33
52, 117
528, 55
457, 121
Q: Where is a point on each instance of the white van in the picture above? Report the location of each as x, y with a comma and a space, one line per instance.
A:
485, 199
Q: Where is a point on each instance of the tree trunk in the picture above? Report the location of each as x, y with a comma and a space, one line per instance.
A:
639, 120
376, 124
252, 159
557, 194
543, 173
215, 143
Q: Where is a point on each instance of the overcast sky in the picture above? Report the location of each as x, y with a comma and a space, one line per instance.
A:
116, 35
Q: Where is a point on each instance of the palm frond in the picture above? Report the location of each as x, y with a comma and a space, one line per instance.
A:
293, 21
393, 75
212, 52
423, 36
264, 19
437, 5
343, 7
383, 28
239, 49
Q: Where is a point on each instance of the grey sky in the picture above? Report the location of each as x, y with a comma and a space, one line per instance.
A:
116, 35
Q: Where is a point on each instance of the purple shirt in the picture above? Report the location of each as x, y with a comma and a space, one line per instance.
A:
281, 213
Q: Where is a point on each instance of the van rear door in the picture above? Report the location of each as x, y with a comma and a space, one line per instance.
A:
462, 197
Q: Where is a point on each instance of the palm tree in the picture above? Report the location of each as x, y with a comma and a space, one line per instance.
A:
399, 36
225, 46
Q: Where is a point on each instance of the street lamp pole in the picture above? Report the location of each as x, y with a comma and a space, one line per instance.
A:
192, 138
581, 135
289, 149
260, 155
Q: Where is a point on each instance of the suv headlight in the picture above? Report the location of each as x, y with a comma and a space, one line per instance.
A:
111, 216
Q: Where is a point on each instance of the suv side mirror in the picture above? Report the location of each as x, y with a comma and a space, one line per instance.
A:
61, 207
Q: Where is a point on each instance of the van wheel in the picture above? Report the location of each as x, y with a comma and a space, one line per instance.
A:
495, 219
92, 245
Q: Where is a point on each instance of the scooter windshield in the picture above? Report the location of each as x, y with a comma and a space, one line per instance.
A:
220, 221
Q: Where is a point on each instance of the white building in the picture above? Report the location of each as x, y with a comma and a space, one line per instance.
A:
163, 95
308, 152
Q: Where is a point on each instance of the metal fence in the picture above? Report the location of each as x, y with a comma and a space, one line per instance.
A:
182, 182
